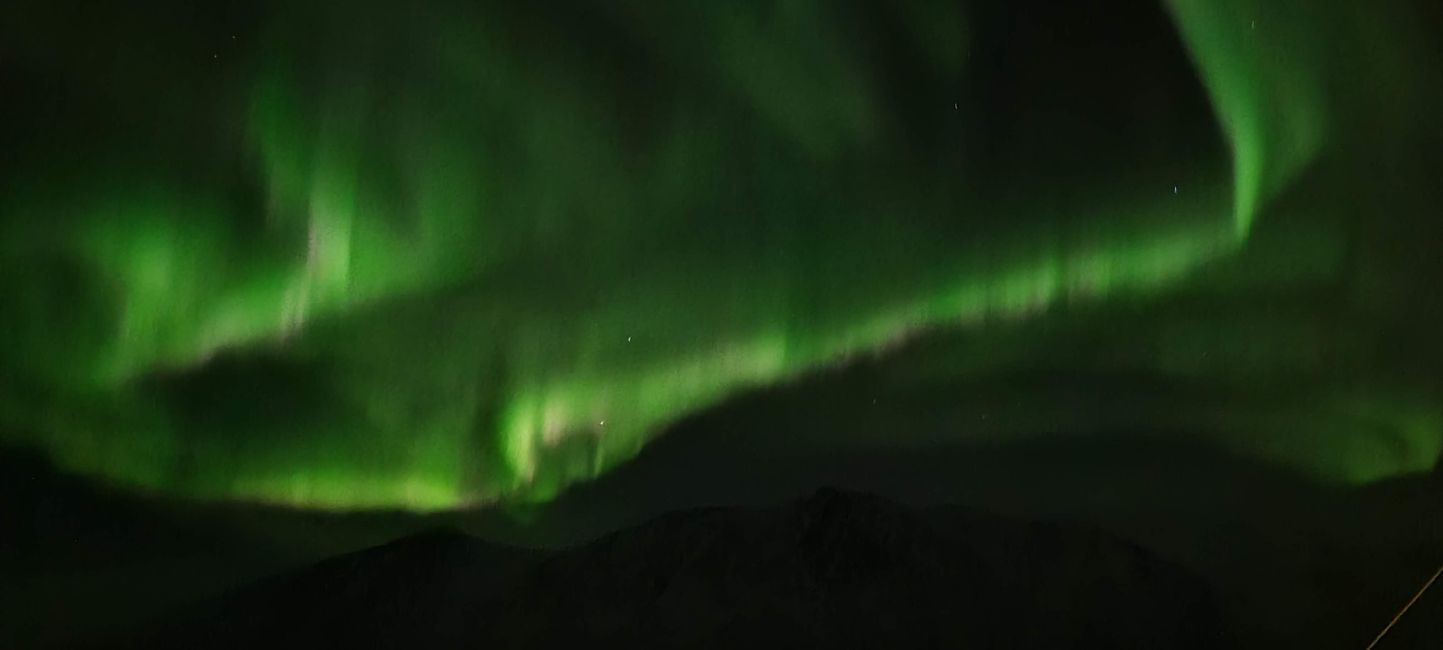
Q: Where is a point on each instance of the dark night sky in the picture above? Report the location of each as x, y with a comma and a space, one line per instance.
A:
441, 256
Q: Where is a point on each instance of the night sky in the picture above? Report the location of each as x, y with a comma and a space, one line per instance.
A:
426, 256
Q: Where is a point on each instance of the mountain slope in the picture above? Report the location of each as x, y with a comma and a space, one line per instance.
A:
837, 568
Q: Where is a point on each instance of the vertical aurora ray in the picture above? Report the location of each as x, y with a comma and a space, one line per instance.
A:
1267, 88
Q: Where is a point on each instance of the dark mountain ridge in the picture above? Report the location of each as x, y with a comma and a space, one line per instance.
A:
838, 568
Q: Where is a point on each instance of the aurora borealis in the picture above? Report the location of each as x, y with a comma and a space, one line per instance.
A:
352, 255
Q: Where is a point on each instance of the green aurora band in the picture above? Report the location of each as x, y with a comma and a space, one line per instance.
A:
462, 265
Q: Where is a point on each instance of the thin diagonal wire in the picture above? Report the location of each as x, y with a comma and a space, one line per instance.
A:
1403, 611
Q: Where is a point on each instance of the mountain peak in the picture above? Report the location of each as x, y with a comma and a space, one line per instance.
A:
832, 568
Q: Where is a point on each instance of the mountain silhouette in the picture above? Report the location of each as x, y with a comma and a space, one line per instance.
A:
839, 568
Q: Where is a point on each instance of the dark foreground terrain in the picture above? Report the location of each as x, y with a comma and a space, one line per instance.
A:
839, 569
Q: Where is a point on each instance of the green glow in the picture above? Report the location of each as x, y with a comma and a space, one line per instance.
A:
510, 269
1267, 88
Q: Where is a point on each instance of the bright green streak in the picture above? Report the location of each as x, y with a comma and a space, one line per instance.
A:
511, 288
1267, 87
